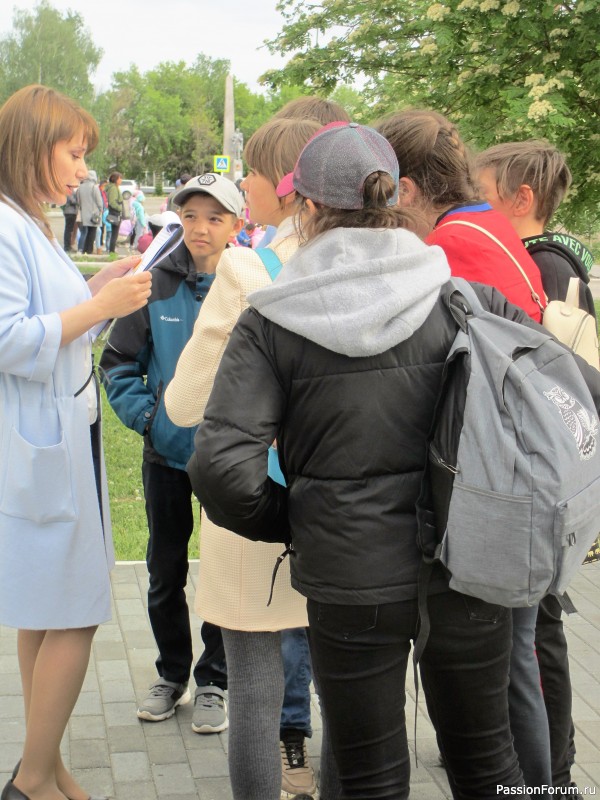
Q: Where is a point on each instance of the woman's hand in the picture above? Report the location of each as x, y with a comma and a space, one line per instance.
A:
124, 295
117, 298
116, 269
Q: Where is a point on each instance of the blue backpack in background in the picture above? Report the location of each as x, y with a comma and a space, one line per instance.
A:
273, 266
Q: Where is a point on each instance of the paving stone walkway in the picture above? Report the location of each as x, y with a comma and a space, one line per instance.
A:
112, 752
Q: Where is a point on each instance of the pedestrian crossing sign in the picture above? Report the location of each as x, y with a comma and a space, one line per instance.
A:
221, 163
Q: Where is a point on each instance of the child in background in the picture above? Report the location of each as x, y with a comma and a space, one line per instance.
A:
527, 182
257, 236
138, 218
156, 222
244, 237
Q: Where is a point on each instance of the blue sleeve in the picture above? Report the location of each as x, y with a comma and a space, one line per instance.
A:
123, 368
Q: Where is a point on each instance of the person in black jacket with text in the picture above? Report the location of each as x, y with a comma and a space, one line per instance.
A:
527, 181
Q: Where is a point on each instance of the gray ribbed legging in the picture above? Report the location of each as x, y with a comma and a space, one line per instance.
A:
255, 687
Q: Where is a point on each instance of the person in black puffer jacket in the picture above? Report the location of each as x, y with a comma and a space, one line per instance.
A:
340, 360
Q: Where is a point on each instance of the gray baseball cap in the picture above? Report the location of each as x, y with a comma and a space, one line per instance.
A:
222, 189
334, 164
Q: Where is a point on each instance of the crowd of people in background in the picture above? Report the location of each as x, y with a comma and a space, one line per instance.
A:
281, 364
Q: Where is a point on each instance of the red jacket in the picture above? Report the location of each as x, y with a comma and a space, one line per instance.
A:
474, 256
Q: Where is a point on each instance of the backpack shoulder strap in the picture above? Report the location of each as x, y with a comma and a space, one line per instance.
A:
466, 290
271, 261
497, 241
462, 301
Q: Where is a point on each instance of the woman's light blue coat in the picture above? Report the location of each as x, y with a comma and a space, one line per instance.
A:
55, 554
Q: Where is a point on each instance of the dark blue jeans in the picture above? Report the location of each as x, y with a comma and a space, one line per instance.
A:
553, 658
360, 654
295, 712
168, 495
528, 717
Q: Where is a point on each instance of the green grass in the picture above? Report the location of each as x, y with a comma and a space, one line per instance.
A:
123, 456
597, 304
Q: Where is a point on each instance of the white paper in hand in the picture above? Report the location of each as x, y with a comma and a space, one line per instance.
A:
163, 243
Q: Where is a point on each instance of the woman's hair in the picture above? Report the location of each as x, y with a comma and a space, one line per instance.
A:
536, 163
32, 122
378, 189
432, 154
114, 177
273, 149
313, 107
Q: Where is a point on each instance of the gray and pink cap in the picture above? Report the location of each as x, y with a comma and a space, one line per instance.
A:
336, 161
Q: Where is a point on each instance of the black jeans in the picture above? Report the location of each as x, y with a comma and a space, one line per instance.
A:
114, 235
168, 495
553, 659
90, 239
361, 653
68, 233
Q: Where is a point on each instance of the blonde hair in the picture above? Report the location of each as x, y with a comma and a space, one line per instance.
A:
536, 163
273, 149
432, 154
32, 122
313, 107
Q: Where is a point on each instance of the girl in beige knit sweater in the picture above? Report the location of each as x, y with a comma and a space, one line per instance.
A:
235, 574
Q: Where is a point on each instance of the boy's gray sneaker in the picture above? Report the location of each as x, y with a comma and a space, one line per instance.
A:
210, 710
163, 699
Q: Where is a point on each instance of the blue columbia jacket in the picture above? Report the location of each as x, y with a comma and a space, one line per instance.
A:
142, 351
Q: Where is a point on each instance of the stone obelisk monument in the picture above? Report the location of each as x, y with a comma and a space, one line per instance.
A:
233, 139
229, 127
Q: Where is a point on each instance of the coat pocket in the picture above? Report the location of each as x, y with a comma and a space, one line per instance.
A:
37, 481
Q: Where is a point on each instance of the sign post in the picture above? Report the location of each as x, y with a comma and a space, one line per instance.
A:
221, 163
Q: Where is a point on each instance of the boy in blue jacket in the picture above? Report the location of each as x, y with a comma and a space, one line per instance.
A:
137, 363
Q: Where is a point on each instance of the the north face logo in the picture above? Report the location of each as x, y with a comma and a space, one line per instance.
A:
583, 426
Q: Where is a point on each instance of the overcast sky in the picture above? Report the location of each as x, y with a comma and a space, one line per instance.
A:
146, 32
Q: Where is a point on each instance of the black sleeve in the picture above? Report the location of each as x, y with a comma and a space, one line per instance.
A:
496, 302
228, 469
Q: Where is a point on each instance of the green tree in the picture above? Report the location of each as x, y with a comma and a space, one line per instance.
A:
49, 48
501, 69
170, 119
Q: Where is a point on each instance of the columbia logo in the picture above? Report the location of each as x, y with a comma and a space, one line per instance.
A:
169, 319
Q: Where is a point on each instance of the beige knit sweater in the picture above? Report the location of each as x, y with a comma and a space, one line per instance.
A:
235, 573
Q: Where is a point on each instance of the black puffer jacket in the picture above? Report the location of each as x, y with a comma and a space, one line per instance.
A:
351, 435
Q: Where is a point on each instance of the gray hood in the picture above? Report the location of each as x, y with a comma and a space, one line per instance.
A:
356, 291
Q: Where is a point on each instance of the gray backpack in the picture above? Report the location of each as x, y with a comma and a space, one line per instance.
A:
510, 502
